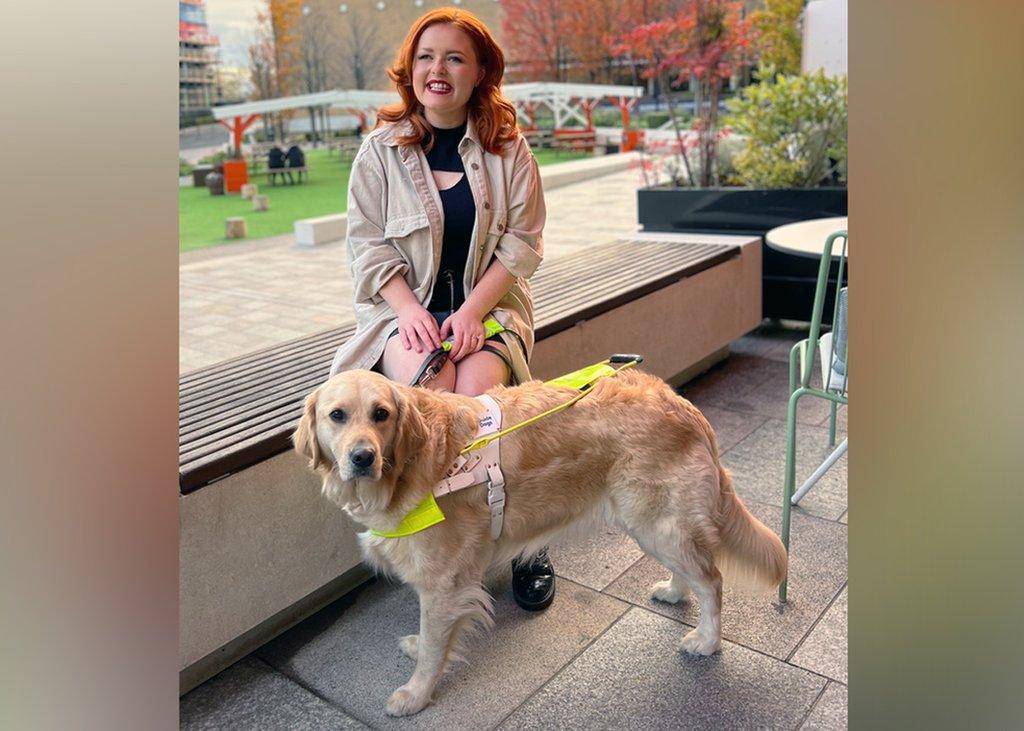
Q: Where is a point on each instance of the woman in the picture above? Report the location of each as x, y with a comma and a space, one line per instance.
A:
445, 216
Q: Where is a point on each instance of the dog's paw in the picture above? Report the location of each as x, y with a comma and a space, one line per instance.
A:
404, 702
697, 644
663, 592
410, 645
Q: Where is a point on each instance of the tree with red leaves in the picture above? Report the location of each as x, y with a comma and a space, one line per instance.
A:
702, 43
535, 32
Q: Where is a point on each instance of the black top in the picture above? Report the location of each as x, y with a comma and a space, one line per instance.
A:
459, 216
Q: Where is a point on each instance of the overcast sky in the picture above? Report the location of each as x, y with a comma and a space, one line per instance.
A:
234, 21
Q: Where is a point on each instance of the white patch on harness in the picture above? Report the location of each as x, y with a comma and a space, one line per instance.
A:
481, 466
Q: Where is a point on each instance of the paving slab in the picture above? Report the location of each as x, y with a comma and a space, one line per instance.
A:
270, 288
737, 374
754, 385
830, 712
731, 427
758, 465
250, 695
348, 653
769, 341
818, 570
595, 561
824, 650
634, 677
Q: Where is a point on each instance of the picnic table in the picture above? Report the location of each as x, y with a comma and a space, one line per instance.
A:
575, 141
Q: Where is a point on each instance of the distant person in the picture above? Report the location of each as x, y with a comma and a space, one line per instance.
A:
275, 161
447, 165
296, 159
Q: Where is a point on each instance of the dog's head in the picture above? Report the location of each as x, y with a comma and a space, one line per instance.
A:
361, 433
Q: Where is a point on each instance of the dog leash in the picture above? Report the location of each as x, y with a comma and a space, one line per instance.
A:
583, 379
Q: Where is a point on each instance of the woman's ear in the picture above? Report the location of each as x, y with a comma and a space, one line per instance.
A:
304, 438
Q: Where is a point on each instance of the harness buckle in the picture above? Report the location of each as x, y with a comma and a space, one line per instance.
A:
496, 499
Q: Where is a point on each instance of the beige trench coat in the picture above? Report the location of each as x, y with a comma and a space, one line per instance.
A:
395, 224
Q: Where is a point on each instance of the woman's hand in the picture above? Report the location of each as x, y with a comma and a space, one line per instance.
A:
417, 328
468, 330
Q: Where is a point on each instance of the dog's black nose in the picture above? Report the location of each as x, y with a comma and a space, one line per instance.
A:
362, 457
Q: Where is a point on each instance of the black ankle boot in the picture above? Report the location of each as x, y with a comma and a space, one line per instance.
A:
533, 582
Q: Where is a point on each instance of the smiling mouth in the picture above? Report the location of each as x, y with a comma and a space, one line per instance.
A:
439, 87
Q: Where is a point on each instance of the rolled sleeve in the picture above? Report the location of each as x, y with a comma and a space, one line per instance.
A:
372, 259
520, 248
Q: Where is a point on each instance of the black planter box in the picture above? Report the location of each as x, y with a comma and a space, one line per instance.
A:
788, 281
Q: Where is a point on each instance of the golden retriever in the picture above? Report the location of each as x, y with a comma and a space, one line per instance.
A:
632, 454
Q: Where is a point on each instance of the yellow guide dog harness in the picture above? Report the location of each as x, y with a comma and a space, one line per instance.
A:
480, 461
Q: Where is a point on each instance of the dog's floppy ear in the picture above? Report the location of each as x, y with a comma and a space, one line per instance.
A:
304, 437
411, 432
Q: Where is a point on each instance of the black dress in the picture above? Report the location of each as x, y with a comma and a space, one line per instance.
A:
459, 215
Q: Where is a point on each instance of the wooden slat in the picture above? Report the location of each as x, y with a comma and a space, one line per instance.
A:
239, 412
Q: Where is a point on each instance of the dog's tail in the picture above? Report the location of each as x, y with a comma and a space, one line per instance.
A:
750, 553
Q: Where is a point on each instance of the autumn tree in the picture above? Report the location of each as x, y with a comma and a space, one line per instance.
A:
316, 48
364, 55
701, 44
777, 41
275, 54
535, 38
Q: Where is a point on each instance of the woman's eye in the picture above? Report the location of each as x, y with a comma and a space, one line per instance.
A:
380, 414
338, 416
456, 59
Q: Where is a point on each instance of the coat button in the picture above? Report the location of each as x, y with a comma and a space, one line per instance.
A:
487, 205
475, 166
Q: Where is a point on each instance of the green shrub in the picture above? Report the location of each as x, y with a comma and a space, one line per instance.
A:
792, 127
653, 120
183, 167
215, 159
607, 118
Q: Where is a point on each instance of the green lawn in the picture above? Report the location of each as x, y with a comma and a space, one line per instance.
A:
201, 215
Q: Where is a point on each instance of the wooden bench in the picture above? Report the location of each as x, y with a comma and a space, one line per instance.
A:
538, 138
572, 141
346, 147
260, 549
272, 173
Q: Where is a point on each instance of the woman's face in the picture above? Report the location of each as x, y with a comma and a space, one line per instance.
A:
444, 73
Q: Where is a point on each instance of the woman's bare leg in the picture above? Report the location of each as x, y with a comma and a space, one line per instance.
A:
480, 371
401, 366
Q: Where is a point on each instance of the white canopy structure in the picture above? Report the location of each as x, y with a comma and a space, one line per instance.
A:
570, 101
566, 101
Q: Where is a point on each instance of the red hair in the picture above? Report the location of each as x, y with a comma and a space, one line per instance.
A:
493, 115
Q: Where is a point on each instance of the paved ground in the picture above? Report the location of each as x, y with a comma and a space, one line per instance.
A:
237, 298
604, 654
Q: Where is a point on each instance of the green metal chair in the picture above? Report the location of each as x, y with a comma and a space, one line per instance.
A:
831, 350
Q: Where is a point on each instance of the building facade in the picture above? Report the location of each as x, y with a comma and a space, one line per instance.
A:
198, 52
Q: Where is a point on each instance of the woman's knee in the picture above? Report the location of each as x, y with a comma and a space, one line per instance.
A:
479, 372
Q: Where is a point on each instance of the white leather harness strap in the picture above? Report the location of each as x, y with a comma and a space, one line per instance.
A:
481, 466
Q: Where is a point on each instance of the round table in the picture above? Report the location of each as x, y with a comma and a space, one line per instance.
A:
807, 238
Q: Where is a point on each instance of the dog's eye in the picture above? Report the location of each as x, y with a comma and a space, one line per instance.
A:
339, 416
380, 414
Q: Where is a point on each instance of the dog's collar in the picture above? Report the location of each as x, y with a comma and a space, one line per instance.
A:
478, 467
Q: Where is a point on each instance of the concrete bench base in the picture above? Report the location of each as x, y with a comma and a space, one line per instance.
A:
321, 230
261, 549
258, 551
